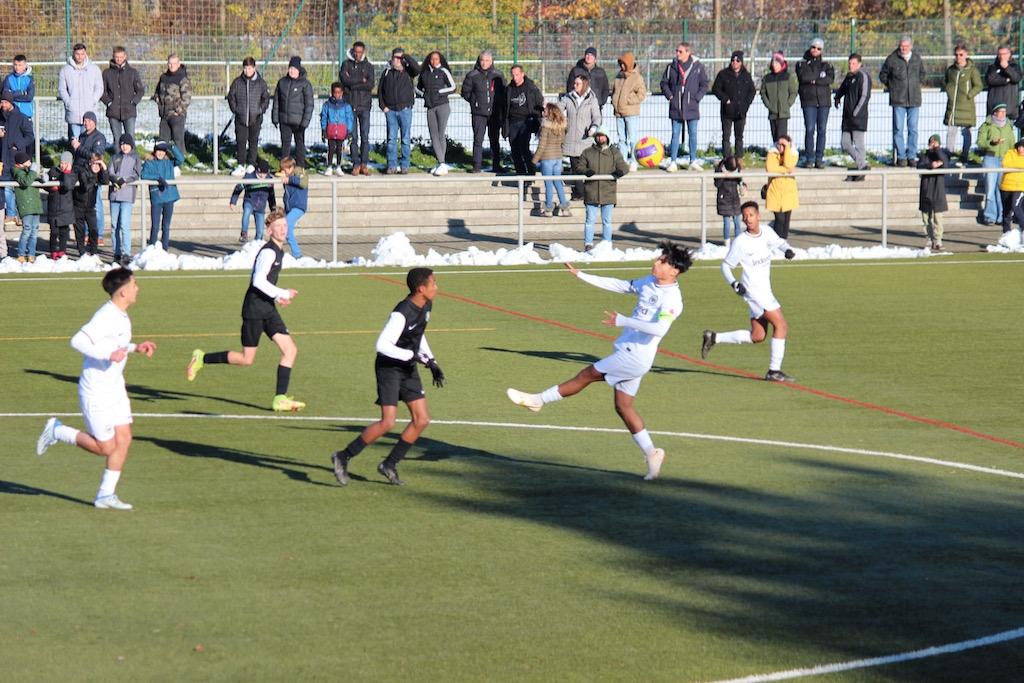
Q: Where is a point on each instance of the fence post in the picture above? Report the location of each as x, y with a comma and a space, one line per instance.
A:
686, 30
703, 210
216, 140
519, 202
341, 33
853, 36
885, 208
515, 38
334, 221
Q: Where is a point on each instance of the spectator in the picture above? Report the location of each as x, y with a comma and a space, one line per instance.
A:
729, 196
357, 77
60, 208
296, 199
902, 73
600, 159
80, 85
549, 157
91, 179
30, 205
484, 89
933, 193
248, 99
125, 169
628, 92
335, 123
524, 107
815, 77
962, 84
582, 116
91, 142
122, 92
1003, 78
293, 110
782, 196
1012, 187
587, 66
257, 197
173, 95
684, 84
735, 89
854, 94
160, 167
396, 94
995, 139
779, 89
16, 135
21, 85
436, 83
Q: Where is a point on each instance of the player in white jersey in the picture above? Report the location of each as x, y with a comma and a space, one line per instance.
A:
753, 250
105, 341
659, 303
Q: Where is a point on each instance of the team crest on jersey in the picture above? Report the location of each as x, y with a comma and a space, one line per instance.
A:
654, 298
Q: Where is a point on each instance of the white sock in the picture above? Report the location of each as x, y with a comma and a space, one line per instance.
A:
643, 440
550, 395
778, 350
109, 483
66, 434
734, 337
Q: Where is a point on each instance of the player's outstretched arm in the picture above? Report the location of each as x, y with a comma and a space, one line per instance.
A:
572, 269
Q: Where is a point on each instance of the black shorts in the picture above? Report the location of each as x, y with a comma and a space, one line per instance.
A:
252, 328
396, 382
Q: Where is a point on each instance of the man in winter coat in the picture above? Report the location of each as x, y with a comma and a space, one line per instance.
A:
854, 94
22, 86
173, 95
600, 195
1002, 78
779, 89
484, 89
932, 202
524, 107
122, 92
815, 77
628, 92
248, 99
293, 110
80, 85
15, 136
962, 84
587, 66
902, 73
684, 84
358, 78
734, 88
396, 93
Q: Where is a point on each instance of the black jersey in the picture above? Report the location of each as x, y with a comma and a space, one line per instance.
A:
413, 328
259, 304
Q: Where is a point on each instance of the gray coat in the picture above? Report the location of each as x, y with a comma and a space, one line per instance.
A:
128, 167
581, 114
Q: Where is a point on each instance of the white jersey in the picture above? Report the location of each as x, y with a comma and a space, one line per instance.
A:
754, 253
657, 307
109, 329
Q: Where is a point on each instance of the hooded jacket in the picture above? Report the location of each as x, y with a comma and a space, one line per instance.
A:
27, 198
18, 137
22, 88
483, 89
735, 89
628, 88
1002, 87
397, 89
436, 84
684, 84
358, 78
293, 101
903, 78
127, 168
549, 144
782, 191
605, 160
80, 88
523, 102
582, 113
598, 80
778, 92
961, 86
122, 91
60, 208
248, 99
815, 76
173, 93
855, 93
933, 187
989, 131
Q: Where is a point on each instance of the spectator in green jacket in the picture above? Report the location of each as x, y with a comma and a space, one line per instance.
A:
779, 88
962, 84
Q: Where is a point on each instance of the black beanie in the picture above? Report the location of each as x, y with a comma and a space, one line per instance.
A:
296, 62
738, 54
126, 139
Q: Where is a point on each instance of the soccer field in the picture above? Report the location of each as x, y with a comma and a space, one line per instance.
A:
837, 528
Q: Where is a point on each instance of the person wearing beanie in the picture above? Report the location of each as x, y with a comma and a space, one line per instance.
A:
60, 207
598, 78
358, 78
1002, 77
854, 94
92, 179
628, 92
734, 88
162, 195
902, 73
815, 77
173, 96
995, 139
293, 110
88, 144
684, 84
779, 88
248, 100
601, 158
125, 169
17, 136
962, 83
122, 92
396, 95
30, 205
933, 192
258, 196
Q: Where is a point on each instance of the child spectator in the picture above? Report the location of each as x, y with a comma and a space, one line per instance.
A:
296, 198
730, 192
257, 197
125, 169
548, 158
60, 207
30, 205
160, 167
335, 122
933, 192
90, 177
21, 85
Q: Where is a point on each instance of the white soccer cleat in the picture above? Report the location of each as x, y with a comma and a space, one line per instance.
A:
111, 502
521, 398
47, 438
654, 461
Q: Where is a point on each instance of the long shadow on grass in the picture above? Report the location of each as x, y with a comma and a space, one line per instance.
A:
589, 359
16, 489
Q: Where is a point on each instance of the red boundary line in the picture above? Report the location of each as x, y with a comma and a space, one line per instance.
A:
798, 387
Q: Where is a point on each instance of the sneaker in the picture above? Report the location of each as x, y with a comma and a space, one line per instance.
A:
339, 171
927, 244
111, 502
564, 211
243, 238
778, 376
126, 260
9, 220
391, 473
442, 169
239, 171
329, 171
545, 213
31, 259
654, 461
250, 169
194, 365
521, 398
696, 166
709, 341
632, 167
672, 168
587, 248
340, 462
22, 259
819, 164
286, 404
937, 246
47, 438
403, 171
391, 170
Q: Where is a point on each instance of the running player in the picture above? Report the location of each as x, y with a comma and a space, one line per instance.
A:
401, 343
259, 316
105, 341
659, 303
752, 250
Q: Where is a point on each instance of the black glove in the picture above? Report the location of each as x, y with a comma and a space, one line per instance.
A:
161, 183
589, 173
738, 286
435, 370
616, 175
789, 254
117, 181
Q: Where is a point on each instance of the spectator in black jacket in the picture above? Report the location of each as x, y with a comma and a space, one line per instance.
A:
91, 177
598, 78
484, 89
436, 83
1003, 78
854, 94
357, 75
396, 93
293, 109
60, 207
524, 107
16, 135
902, 73
734, 87
815, 77
122, 92
90, 142
248, 99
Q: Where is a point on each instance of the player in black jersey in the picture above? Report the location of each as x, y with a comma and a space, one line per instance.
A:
259, 316
399, 346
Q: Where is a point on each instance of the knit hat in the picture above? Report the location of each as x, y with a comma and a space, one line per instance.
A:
126, 139
263, 166
8, 97
20, 158
66, 158
89, 115
296, 62
997, 106
590, 51
818, 42
780, 58
397, 51
935, 138
738, 55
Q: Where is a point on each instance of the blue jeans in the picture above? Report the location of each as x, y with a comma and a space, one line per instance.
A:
677, 131
247, 212
626, 128
99, 209
815, 120
399, 124
993, 198
736, 229
74, 130
606, 222
29, 233
905, 118
117, 128
160, 220
121, 227
293, 217
12, 208
552, 167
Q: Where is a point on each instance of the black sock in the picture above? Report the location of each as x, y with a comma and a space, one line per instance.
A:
397, 453
284, 375
356, 447
219, 357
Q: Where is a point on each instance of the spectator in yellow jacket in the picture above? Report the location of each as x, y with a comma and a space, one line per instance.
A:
782, 196
1012, 187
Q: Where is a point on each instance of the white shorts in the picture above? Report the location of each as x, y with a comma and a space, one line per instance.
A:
103, 413
623, 370
761, 301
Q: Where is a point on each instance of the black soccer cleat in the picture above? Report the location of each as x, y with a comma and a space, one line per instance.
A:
710, 339
340, 462
391, 473
778, 376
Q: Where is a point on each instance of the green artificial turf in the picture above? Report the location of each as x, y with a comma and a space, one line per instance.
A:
526, 546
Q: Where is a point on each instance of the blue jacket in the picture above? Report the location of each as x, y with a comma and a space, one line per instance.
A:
257, 195
336, 111
684, 96
154, 169
296, 190
23, 89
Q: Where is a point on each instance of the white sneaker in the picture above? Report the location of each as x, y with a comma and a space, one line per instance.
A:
339, 171
696, 166
521, 398
672, 168
654, 461
47, 438
442, 169
328, 171
250, 169
111, 502
632, 167
239, 171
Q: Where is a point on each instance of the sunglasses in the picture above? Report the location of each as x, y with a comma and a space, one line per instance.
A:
736, 59
815, 47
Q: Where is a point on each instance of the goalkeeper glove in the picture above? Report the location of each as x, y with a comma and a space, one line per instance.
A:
435, 370
738, 286
789, 254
